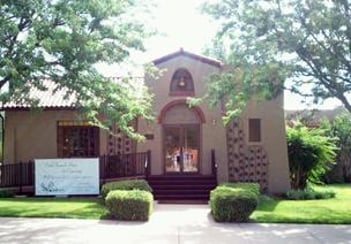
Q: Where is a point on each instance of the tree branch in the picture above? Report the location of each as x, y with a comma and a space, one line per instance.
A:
321, 44
4, 80
318, 73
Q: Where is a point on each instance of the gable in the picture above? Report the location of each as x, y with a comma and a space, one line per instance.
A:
197, 57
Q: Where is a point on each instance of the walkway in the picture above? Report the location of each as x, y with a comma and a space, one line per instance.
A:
188, 224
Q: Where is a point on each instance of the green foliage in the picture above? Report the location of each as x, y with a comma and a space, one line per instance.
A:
130, 205
307, 40
1, 152
251, 187
233, 202
240, 82
340, 128
310, 153
6, 193
125, 185
309, 194
62, 41
329, 211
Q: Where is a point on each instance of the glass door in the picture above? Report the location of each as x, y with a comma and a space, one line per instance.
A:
181, 148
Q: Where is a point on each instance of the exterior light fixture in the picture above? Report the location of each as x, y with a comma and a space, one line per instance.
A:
181, 82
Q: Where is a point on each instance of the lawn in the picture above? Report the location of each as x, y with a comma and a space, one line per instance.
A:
82, 208
331, 211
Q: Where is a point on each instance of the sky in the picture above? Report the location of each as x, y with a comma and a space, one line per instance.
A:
181, 25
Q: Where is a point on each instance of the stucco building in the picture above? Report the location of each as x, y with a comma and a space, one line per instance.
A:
183, 140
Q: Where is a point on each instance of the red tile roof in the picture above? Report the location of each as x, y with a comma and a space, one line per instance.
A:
47, 99
52, 99
55, 99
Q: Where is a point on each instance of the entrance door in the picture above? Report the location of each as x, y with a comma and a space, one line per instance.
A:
181, 148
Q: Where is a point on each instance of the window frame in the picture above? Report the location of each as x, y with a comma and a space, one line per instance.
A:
250, 130
93, 134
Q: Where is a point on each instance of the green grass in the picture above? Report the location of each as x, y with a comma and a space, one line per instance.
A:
330, 211
82, 208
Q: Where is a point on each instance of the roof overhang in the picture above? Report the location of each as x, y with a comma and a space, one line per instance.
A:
182, 52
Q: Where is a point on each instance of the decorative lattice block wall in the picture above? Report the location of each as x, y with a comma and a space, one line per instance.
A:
118, 143
246, 163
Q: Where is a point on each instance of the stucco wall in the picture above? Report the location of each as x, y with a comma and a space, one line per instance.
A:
30, 135
271, 114
212, 131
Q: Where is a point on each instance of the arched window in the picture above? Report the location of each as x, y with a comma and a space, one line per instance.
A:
182, 83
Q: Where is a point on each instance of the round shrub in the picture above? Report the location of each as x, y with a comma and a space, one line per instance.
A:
129, 205
230, 204
125, 185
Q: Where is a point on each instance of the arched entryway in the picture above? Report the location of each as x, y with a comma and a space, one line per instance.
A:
181, 137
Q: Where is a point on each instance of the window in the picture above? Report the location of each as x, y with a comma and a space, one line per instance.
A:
254, 130
77, 139
182, 83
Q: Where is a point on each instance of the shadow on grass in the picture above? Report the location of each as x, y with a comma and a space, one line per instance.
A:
267, 203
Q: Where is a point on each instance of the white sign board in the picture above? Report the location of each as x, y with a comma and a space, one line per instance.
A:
67, 176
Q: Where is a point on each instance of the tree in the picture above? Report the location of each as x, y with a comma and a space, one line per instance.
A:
310, 154
61, 41
340, 128
307, 41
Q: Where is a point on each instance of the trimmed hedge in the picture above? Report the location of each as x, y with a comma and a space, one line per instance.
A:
234, 202
6, 193
129, 204
125, 185
247, 186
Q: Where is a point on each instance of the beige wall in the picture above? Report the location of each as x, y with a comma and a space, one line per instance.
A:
213, 133
271, 114
30, 135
